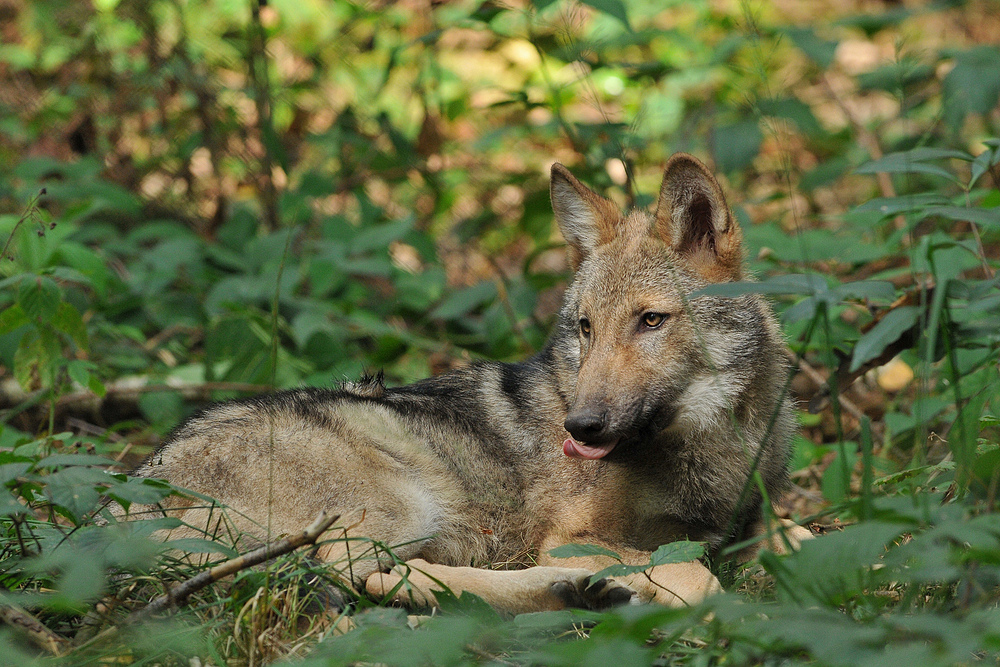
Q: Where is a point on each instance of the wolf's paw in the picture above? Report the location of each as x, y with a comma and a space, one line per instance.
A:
410, 584
577, 591
791, 537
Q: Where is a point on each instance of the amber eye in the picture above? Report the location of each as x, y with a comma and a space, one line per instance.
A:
653, 320
584, 326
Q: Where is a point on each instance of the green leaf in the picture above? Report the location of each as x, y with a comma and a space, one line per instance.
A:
379, 237
82, 579
613, 8
895, 76
39, 297
667, 554
57, 460
89, 264
582, 550
981, 216
778, 285
889, 206
982, 163
972, 85
888, 330
13, 317
308, 323
68, 321
9, 506
541, 4
907, 163
925, 153
986, 472
618, 570
872, 290
142, 491
11, 471
464, 301
681, 551
792, 109
162, 407
821, 51
826, 172
35, 359
878, 20
80, 372
75, 489
736, 145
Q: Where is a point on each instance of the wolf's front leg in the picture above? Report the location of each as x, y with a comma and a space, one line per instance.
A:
674, 585
508, 591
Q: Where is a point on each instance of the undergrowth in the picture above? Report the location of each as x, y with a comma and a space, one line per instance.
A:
206, 202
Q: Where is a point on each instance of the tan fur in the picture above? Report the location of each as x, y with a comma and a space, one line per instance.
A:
469, 468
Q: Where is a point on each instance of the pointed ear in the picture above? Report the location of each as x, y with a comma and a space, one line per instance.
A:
693, 219
585, 218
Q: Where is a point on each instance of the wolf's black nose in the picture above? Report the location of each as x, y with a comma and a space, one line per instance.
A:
585, 426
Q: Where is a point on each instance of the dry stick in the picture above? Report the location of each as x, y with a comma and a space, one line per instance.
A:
179, 593
128, 389
15, 617
815, 376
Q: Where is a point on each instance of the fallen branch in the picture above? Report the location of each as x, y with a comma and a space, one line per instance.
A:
40, 635
179, 593
125, 389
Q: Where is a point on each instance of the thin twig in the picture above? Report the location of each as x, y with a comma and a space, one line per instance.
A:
30, 213
847, 404
179, 593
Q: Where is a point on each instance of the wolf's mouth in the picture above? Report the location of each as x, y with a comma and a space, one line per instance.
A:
581, 450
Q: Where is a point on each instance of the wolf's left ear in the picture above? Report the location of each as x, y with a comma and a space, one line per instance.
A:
693, 218
585, 218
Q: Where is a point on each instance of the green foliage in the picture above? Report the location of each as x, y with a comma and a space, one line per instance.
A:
205, 200
681, 551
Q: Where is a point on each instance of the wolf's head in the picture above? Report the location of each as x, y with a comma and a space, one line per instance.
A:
648, 356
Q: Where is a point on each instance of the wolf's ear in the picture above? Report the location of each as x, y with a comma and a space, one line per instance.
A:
585, 218
692, 217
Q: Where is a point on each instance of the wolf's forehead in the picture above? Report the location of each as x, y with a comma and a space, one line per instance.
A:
633, 273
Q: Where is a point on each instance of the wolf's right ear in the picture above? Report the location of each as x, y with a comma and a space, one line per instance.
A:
585, 218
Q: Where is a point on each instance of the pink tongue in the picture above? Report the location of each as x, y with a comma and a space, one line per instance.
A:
580, 450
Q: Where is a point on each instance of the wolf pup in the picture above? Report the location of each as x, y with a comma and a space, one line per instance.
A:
638, 424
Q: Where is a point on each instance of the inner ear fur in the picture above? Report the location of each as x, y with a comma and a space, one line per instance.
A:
585, 218
692, 217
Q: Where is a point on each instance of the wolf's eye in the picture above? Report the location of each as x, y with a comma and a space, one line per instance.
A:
584, 326
653, 320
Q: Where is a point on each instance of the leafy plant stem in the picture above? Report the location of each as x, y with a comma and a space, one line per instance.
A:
257, 61
17, 520
30, 213
987, 270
